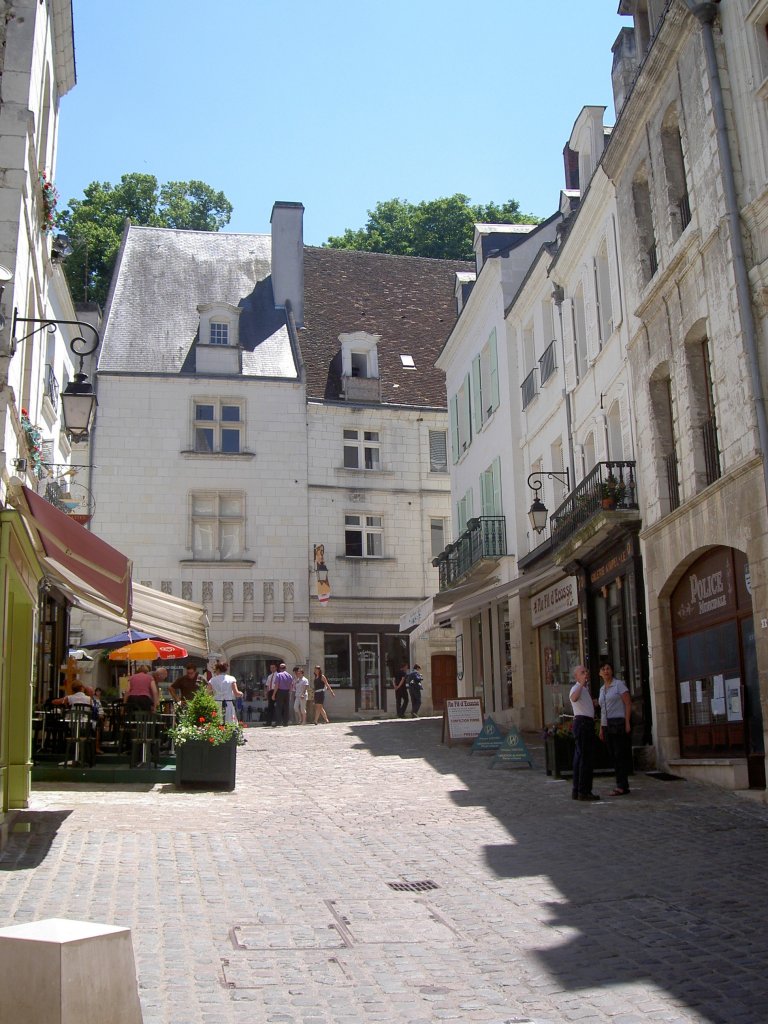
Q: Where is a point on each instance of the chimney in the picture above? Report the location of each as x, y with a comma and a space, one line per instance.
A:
288, 258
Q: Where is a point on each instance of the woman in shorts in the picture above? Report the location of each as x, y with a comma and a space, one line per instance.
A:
320, 684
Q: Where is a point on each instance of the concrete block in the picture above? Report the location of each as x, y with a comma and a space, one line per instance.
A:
68, 972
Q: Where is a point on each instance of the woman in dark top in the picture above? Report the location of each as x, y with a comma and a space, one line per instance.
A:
320, 684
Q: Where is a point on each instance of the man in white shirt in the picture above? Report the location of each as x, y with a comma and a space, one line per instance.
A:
584, 735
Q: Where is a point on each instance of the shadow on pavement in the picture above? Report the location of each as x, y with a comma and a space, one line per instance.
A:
665, 888
30, 836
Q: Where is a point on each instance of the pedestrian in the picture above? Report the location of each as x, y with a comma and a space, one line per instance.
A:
584, 734
185, 687
223, 687
282, 687
415, 680
616, 725
160, 675
142, 694
401, 691
320, 685
269, 689
301, 688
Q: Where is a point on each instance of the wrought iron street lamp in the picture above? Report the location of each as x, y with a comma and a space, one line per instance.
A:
78, 400
538, 513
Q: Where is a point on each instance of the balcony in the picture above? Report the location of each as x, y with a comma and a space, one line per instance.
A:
483, 542
361, 389
609, 488
528, 388
547, 363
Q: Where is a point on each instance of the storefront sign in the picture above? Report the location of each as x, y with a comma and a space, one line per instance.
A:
462, 720
513, 750
706, 592
561, 597
489, 737
613, 566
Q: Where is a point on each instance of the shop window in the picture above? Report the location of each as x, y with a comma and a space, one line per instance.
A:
559, 655
337, 660
362, 449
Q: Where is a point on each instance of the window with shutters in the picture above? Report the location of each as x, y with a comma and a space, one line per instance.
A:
603, 294
485, 383
490, 489
580, 331
461, 422
438, 451
464, 511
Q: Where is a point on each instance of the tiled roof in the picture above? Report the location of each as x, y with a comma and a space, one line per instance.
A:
164, 274
406, 300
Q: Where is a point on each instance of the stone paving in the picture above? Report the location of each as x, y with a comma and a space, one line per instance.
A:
274, 903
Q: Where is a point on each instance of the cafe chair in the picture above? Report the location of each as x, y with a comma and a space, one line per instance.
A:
145, 740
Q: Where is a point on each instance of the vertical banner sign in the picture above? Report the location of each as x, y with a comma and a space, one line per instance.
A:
321, 575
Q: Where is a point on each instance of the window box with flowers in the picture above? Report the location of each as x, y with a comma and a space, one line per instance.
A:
206, 747
50, 200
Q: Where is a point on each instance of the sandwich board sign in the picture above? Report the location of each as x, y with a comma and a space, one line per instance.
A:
489, 737
462, 720
513, 750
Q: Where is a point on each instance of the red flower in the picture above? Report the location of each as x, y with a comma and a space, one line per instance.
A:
201, 719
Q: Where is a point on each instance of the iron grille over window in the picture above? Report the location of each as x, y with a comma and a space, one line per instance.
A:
711, 453
547, 363
528, 388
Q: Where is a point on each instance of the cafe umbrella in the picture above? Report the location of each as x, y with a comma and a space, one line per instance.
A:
147, 650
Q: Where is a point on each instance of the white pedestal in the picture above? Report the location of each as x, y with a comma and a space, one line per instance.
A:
68, 972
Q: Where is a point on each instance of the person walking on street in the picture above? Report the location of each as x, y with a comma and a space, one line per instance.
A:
301, 686
401, 691
223, 687
616, 725
320, 685
415, 679
269, 689
282, 687
584, 735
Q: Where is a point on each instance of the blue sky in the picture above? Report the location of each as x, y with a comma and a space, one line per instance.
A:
335, 104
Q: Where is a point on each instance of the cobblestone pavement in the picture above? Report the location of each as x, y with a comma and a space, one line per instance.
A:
274, 903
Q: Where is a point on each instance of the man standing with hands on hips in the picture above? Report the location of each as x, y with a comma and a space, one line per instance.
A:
584, 735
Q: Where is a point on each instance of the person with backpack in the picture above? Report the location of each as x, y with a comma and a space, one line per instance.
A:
414, 681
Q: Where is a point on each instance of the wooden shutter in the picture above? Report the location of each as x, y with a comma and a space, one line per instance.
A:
477, 395
494, 371
613, 272
455, 428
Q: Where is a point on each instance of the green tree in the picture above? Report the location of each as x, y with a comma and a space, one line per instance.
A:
94, 224
439, 228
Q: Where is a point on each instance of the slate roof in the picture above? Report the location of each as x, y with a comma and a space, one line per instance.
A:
163, 274
408, 301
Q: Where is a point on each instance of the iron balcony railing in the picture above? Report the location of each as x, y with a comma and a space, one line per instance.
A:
653, 260
528, 388
547, 363
484, 537
684, 206
711, 453
51, 386
610, 486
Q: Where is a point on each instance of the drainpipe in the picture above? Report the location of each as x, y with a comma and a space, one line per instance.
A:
706, 13
558, 297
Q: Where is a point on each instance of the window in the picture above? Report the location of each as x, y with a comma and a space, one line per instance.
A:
218, 427
580, 331
603, 294
363, 536
646, 236
490, 489
464, 511
337, 659
359, 364
485, 382
361, 449
674, 172
218, 526
437, 536
438, 451
219, 333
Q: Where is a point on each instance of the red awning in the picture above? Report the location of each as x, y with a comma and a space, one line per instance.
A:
70, 548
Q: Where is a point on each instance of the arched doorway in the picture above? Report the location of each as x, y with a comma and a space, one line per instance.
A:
251, 669
716, 679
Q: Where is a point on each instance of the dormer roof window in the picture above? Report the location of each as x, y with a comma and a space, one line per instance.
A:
360, 367
218, 345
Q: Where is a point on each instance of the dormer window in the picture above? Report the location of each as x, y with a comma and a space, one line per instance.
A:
218, 345
359, 361
360, 367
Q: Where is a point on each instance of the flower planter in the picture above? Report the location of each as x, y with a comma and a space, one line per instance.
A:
558, 753
201, 764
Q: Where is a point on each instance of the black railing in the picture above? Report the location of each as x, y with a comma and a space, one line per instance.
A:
684, 206
528, 388
51, 386
610, 486
673, 482
547, 363
485, 537
711, 453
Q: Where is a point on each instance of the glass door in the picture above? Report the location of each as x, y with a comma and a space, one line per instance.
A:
369, 674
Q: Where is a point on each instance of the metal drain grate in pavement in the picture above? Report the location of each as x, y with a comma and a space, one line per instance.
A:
425, 886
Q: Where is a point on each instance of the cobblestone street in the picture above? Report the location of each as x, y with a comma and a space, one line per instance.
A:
364, 872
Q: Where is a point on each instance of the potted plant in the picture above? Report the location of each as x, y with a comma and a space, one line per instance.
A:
559, 746
206, 747
612, 491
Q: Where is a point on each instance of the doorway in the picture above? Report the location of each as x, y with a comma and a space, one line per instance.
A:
443, 675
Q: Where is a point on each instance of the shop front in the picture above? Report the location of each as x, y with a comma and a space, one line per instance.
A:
716, 679
616, 626
555, 617
360, 662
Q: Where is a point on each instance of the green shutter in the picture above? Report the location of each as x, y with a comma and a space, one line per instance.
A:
494, 365
477, 394
455, 428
